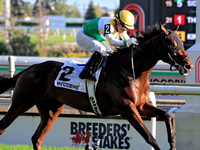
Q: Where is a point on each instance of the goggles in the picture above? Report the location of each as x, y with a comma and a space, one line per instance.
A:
123, 27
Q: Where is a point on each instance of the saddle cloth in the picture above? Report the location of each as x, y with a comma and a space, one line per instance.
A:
68, 77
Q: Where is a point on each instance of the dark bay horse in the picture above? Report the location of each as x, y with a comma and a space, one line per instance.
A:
117, 92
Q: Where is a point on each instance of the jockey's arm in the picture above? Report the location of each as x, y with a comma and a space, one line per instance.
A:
115, 42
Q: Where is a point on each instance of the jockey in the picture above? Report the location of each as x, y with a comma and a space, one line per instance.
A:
96, 31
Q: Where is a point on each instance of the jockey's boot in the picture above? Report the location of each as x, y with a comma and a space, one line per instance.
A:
93, 64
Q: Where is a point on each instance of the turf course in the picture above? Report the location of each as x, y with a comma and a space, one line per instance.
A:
27, 147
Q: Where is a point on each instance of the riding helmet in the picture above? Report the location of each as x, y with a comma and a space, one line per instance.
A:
126, 18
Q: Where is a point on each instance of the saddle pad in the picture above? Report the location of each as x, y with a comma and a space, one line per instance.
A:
68, 77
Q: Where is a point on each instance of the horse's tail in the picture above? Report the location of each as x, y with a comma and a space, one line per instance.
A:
7, 83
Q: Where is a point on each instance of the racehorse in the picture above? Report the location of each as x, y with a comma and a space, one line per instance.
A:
117, 92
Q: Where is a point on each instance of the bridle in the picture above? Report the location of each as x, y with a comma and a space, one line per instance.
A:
170, 60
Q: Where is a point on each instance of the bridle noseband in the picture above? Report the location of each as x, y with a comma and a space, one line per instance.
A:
170, 60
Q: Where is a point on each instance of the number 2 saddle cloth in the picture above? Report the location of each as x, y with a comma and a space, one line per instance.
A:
68, 77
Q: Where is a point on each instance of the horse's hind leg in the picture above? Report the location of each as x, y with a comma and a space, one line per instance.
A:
16, 109
49, 111
150, 111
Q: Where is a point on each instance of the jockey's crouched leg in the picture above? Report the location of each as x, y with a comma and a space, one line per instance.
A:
93, 64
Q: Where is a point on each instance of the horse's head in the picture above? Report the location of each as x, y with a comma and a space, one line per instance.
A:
174, 52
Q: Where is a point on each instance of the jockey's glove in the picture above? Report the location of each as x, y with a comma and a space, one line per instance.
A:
131, 41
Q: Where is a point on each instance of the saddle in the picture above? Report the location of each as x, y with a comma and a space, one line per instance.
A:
68, 78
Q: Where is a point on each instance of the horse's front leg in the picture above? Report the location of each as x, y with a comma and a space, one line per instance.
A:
150, 111
129, 111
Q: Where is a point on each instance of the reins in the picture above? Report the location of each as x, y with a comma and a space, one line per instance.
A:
132, 62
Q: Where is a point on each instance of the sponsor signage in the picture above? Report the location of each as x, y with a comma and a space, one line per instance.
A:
167, 78
114, 133
77, 131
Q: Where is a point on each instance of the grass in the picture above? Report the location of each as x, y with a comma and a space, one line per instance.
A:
53, 40
27, 147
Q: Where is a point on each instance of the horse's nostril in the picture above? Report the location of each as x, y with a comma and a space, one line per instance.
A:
187, 67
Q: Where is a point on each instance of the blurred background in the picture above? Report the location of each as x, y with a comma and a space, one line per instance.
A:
49, 27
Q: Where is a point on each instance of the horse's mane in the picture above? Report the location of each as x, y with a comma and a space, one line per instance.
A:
147, 34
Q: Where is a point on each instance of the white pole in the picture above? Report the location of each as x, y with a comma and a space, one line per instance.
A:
7, 17
11, 60
153, 119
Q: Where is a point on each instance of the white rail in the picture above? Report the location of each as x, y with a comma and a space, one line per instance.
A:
30, 60
180, 90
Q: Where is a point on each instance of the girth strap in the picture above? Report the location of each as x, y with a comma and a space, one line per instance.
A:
91, 94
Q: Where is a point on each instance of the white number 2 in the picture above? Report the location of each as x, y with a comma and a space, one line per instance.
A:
107, 28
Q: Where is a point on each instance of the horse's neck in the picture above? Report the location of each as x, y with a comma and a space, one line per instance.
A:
143, 65
145, 61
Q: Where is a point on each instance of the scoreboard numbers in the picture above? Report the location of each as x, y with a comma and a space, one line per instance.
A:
183, 13
179, 19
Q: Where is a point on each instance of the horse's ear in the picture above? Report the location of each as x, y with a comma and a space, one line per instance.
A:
163, 29
176, 28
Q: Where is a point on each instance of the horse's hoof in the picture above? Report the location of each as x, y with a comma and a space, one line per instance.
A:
87, 147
